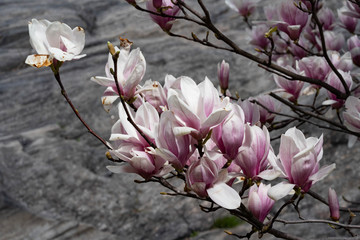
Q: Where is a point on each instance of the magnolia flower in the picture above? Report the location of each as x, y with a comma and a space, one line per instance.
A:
352, 114
291, 20
298, 161
163, 6
343, 62
333, 205
347, 22
257, 36
205, 179
198, 107
176, 149
244, 7
271, 104
353, 10
327, 18
253, 153
334, 81
251, 112
54, 40
292, 87
229, 135
131, 68
131, 147
259, 203
223, 75
314, 67
333, 40
354, 48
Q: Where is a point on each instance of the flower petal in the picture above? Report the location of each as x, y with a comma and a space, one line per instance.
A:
280, 190
224, 195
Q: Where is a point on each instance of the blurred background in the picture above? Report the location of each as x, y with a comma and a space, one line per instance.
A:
53, 180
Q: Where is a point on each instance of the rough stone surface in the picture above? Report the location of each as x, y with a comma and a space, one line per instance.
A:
53, 180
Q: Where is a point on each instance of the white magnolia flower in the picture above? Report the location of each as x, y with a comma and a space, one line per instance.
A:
54, 40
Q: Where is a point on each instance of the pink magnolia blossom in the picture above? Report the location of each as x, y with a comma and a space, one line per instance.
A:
271, 104
353, 10
334, 81
343, 62
205, 179
352, 114
292, 87
291, 19
297, 51
251, 112
347, 22
253, 153
223, 75
167, 7
176, 149
333, 40
257, 36
229, 135
244, 7
131, 147
299, 159
314, 67
259, 203
54, 40
197, 107
354, 48
131, 68
327, 18
333, 205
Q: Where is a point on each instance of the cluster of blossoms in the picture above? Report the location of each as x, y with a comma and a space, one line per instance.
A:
191, 128
201, 132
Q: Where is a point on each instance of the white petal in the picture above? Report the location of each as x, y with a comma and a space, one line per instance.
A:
269, 174
322, 173
104, 81
224, 195
116, 169
352, 140
38, 61
280, 190
181, 131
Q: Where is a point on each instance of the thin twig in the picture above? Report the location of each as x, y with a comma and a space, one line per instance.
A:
64, 93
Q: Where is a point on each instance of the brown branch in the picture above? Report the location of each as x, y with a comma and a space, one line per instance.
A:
294, 107
323, 46
321, 199
64, 93
319, 221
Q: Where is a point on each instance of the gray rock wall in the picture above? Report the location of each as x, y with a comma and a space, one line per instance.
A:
53, 171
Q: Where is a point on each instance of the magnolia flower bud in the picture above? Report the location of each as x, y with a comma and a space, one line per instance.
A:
223, 75
259, 203
333, 205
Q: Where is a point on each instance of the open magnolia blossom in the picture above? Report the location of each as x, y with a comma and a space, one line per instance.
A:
54, 40
131, 67
298, 162
206, 179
